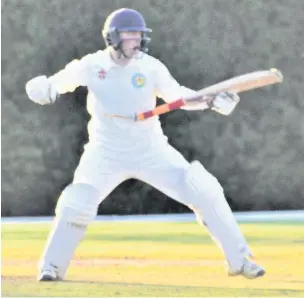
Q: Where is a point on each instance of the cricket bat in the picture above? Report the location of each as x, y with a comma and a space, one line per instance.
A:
242, 83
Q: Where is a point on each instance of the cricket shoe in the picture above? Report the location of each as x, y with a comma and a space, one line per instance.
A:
249, 269
49, 275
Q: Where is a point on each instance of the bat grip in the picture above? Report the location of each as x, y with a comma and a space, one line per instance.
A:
162, 109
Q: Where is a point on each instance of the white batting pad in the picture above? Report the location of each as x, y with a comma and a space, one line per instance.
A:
213, 211
76, 208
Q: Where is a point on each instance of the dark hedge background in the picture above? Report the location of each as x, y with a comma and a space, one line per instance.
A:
257, 153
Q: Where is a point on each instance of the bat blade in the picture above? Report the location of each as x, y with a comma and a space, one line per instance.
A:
245, 82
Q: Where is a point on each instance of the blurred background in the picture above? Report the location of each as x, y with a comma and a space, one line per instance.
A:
257, 154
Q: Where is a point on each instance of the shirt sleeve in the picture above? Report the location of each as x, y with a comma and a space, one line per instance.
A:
170, 90
72, 76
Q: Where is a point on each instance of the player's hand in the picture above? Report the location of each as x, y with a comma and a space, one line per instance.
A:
40, 91
223, 102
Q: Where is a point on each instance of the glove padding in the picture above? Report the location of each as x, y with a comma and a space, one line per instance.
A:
223, 102
40, 90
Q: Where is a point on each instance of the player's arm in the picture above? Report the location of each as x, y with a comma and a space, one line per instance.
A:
45, 90
170, 90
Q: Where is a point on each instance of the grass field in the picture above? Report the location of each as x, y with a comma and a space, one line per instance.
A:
154, 259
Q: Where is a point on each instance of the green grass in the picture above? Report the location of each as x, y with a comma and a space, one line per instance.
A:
154, 259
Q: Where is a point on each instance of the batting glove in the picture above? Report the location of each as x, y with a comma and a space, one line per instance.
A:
40, 91
223, 102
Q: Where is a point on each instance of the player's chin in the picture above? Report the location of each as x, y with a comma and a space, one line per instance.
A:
132, 54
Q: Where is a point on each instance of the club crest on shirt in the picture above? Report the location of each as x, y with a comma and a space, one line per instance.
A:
138, 80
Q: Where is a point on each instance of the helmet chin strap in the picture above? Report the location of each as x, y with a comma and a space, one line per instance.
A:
122, 52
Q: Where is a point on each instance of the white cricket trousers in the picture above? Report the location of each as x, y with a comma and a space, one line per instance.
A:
164, 168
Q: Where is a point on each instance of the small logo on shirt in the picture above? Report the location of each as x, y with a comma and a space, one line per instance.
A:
102, 74
138, 80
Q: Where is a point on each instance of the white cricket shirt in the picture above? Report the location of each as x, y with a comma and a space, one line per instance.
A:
121, 90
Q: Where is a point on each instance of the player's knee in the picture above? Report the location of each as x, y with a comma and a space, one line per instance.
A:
78, 204
201, 185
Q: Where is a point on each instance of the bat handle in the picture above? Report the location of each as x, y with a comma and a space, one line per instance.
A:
162, 109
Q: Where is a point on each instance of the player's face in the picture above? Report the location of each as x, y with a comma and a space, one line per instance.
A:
130, 43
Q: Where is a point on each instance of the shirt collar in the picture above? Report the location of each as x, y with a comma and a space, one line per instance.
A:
111, 64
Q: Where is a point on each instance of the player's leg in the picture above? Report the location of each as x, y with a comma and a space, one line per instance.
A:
76, 208
192, 185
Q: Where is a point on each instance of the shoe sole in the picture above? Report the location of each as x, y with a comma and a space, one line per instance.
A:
48, 278
259, 274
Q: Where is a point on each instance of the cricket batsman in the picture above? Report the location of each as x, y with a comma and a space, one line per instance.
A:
124, 80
